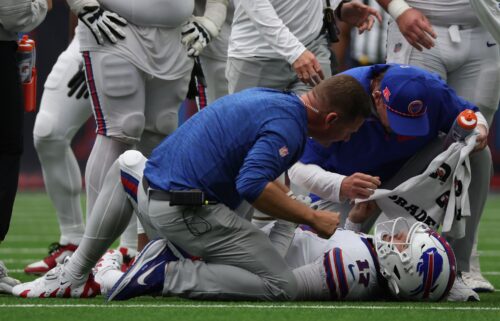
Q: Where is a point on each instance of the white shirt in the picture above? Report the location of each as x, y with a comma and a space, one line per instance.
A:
275, 28
20, 16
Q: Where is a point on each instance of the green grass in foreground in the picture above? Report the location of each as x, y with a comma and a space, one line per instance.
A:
34, 226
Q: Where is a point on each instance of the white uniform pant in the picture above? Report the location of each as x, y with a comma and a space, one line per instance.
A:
471, 67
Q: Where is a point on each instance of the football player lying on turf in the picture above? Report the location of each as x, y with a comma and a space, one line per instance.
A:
413, 262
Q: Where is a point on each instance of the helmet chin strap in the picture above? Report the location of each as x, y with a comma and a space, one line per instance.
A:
393, 285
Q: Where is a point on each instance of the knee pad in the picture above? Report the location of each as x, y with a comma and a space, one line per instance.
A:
167, 122
133, 163
133, 126
44, 126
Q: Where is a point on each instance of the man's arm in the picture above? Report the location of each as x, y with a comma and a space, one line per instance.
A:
23, 15
332, 186
198, 31
488, 12
414, 26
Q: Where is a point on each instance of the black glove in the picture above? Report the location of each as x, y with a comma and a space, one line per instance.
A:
197, 86
78, 84
102, 22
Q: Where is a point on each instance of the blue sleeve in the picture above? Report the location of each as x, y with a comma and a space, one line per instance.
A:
276, 149
451, 105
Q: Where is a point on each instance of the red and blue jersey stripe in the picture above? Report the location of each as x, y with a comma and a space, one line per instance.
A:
96, 104
329, 276
341, 276
130, 184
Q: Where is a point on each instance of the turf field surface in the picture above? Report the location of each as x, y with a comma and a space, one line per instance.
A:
34, 227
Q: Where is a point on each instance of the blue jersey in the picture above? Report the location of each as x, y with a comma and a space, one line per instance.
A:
232, 149
372, 150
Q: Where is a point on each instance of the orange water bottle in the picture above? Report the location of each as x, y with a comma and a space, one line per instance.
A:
462, 127
27, 71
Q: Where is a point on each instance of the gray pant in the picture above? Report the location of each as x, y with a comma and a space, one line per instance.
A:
240, 261
274, 72
481, 172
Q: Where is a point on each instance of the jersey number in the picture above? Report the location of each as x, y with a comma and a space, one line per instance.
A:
364, 277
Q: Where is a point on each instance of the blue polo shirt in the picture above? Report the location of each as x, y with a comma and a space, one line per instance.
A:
233, 148
372, 150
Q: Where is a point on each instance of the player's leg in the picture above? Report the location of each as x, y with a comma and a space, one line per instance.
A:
481, 70
215, 75
481, 172
117, 92
163, 99
57, 122
111, 214
258, 72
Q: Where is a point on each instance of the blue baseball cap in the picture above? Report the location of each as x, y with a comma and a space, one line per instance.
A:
406, 96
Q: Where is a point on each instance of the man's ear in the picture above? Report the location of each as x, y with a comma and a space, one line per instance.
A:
331, 118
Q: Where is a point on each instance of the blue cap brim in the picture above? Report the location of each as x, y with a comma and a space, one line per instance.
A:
408, 126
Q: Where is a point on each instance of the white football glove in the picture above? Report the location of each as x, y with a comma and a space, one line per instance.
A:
101, 22
196, 33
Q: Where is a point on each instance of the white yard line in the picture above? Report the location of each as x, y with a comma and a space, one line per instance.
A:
253, 306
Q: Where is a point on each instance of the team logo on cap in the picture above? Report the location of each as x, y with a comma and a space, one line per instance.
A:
283, 151
387, 93
415, 107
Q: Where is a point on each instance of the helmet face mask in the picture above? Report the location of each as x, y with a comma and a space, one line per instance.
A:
416, 261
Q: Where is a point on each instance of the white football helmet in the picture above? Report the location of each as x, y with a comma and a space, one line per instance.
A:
417, 262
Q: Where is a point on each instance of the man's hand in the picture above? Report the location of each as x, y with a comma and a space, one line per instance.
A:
101, 22
362, 211
78, 85
308, 69
360, 15
196, 33
416, 29
325, 223
358, 185
482, 138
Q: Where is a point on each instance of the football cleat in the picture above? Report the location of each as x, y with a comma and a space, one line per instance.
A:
147, 275
6, 282
128, 257
112, 260
477, 282
57, 284
57, 254
460, 292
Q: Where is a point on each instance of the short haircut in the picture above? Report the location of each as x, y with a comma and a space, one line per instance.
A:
344, 95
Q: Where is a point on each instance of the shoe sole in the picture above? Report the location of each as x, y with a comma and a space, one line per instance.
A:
150, 252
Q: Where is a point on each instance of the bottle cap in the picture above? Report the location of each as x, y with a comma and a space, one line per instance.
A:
467, 119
